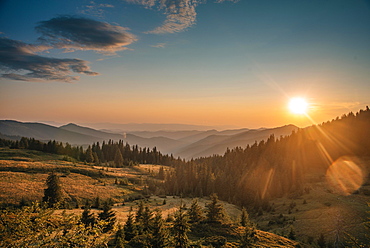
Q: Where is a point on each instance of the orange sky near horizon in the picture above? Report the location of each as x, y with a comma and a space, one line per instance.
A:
228, 64
248, 112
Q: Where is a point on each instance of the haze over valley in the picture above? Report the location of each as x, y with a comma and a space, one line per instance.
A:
185, 144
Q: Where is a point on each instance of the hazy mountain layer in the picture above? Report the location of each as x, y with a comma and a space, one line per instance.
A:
217, 144
186, 144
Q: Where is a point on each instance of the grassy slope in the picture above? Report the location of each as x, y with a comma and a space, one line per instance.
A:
23, 174
322, 210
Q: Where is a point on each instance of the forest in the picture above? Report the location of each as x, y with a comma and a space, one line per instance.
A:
249, 177
245, 176
274, 167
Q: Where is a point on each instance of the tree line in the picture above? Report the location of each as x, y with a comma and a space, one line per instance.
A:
278, 166
112, 154
247, 176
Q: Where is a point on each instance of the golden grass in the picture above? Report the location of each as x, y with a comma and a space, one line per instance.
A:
17, 185
30, 186
266, 239
324, 212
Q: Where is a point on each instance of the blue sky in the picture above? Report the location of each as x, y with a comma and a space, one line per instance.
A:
233, 63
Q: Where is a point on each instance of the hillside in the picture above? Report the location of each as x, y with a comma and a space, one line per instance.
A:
186, 144
44, 132
164, 144
23, 174
78, 135
218, 143
91, 132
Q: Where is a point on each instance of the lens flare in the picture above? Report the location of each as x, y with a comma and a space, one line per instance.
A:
345, 175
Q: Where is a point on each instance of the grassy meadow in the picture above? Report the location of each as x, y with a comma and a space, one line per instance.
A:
319, 211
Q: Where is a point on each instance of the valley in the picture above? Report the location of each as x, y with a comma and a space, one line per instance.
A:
318, 211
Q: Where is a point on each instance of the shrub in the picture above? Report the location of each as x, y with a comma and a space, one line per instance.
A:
215, 241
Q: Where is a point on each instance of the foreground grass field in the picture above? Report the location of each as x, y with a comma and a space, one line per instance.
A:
318, 212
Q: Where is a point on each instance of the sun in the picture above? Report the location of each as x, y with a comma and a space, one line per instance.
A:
298, 105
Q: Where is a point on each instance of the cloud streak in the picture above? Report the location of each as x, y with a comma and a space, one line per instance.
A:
180, 14
76, 33
22, 63
95, 9
159, 45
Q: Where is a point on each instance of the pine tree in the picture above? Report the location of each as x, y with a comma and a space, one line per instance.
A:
215, 210
129, 228
96, 158
108, 216
119, 239
139, 212
161, 174
180, 229
291, 234
159, 237
248, 237
244, 218
195, 212
118, 159
321, 242
53, 192
89, 157
88, 218
97, 203
146, 220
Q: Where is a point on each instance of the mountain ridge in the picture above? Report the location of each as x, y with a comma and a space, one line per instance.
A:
186, 144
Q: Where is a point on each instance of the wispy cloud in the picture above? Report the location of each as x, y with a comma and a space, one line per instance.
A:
159, 45
76, 33
180, 14
95, 9
22, 63
344, 105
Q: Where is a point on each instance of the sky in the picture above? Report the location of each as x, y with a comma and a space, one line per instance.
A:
223, 63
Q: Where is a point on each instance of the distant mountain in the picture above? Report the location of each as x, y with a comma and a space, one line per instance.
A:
217, 144
151, 127
10, 137
168, 134
44, 132
78, 135
163, 144
92, 132
186, 144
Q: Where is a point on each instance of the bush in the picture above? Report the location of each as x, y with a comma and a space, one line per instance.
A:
215, 241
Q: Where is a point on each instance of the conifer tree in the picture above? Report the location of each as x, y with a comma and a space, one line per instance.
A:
108, 216
97, 202
321, 242
159, 237
244, 218
119, 239
146, 220
139, 212
89, 157
195, 212
118, 159
180, 229
291, 234
248, 237
88, 218
161, 173
215, 210
129, 228
53, 192
96, 158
